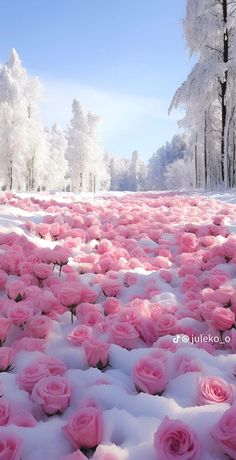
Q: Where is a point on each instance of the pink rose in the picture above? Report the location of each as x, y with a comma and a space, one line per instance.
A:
5, 325
88, 294
149, 375
5, 358
190, 282
70, 294
146, 328
42, 229
22, 418
128, 315
224, 433
96, 352
84, 428
124, 334
165, 343
28, 344
174, 440
111, 288
222, 318
212, 390
53, 394
11, 447
59, 256
79, 334
30, 375
111, 305
20, 313
207, 308
166, 324
130, 279
92, 317
16, 290
42, 271
39, 327
186, 364
5, 411
54, 365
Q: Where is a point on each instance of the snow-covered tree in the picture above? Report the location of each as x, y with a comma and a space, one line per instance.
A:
57, 165
208, 94
171, 151
85, 154
118, 169
127, 174
179, 175
23, 148
137, 173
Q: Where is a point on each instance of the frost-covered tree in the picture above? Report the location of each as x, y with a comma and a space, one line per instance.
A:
208, 94
137, 173
171, 151
118, 168
99, 178
85, 154
127, 174
23, 148
180, 175
57, 165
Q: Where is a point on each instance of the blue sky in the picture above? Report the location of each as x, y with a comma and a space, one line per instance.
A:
123, 59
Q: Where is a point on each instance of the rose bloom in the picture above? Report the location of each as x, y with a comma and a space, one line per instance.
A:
11, 447
96, 352
22, 418
28, 344
174, 440
166, 324
222, 318
20, 313
111, 305
207, 308
42, 271
69, 294
212, 390
79, 334
16, 290
30, 375
92, 317
5, 358
149, 375
124, 335
224, 433
84, 428
5, 412
39, 327
54, 365
5, 325
53, 394
186, 364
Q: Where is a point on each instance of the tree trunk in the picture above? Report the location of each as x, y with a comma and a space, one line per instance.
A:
224, 88
195, 163
234, 159
205, 151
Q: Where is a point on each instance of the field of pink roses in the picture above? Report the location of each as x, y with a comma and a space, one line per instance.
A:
117, 327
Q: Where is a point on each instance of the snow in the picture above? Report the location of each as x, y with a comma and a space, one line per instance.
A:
130, 418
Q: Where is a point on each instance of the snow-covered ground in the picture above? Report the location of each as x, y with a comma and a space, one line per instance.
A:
149, 282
